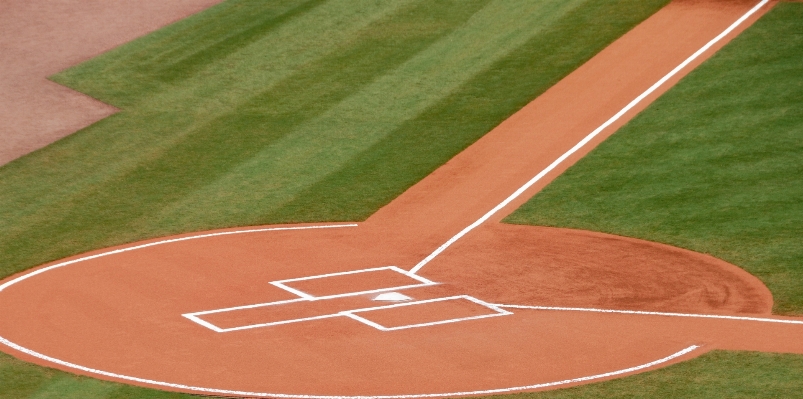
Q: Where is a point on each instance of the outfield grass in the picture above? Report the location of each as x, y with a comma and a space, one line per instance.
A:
717, 374
259, 112
715, 165
24, 380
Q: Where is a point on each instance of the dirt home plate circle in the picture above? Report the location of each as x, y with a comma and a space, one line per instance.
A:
429, 297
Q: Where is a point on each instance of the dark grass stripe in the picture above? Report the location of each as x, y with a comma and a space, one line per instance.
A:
410, 153
173, 65
140, 68
718, 375
715, 165
205, 153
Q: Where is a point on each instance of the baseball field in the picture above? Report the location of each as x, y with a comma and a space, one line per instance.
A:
599, 196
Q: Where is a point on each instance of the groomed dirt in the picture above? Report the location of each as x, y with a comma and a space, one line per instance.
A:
39, 38
121, 312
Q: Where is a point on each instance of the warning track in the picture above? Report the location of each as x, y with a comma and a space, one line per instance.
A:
496, 309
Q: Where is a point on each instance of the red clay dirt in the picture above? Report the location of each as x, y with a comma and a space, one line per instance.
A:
118, 315
39, 38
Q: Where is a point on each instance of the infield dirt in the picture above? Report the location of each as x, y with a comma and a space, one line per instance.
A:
121, 313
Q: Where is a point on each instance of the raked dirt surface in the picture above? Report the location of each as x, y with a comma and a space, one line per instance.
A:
125, 322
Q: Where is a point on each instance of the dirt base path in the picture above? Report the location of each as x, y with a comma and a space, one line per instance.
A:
39, 38
471, 306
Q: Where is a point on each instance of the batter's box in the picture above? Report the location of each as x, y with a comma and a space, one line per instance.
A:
425, 313
356, 282
321, 296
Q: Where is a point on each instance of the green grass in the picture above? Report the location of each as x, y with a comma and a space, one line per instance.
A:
715, 165
23, 380
259, 112
717, 374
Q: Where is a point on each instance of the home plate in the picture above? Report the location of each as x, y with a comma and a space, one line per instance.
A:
392, 297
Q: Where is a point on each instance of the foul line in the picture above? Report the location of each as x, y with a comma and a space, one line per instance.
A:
290, 396
588, 138
117, 251
641, 312
414, 270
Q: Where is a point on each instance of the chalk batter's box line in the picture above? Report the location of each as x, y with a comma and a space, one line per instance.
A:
498, 312
351, 314
281, 283
307, 297
207, 390
423, 282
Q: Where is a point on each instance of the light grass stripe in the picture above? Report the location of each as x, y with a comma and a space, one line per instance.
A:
326, 143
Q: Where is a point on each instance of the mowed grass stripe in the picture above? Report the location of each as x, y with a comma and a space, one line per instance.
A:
715, 165
171, 66
240, 137
325, 143
113, 149
381, 172
118, 144
226, 40
202, 155
118, 147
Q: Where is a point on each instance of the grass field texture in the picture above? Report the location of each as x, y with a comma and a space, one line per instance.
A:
717, 374
715, 165
255, 113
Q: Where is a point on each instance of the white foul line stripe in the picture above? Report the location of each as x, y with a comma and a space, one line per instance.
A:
291, 396
414, 270
648, 313
117, 251
588, 138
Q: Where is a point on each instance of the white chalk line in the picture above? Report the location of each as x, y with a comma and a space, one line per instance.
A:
252, 326
409, 326
172, 240
292, 396
588, 138
310, 299
304, 297
281, 283
497, 312
421, 264
372, 269
648, 313
350, 314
